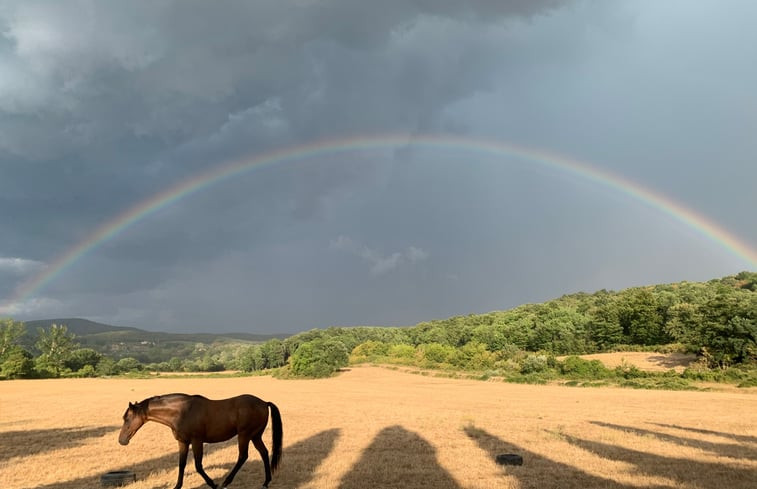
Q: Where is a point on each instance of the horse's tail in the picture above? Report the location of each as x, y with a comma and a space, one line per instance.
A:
277, 435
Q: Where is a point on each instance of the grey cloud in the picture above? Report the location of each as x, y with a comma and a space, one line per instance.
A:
80, 73
14, 271
104, 105
19, 266
379, 263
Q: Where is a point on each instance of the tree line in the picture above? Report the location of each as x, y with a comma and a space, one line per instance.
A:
717, 320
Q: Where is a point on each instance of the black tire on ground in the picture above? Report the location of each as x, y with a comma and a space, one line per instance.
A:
117, 478
509, 459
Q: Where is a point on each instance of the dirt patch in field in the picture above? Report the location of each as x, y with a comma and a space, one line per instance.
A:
648, 361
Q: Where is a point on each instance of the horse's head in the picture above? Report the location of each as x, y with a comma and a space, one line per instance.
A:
134, 417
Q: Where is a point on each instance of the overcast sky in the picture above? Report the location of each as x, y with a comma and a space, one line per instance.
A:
104, 105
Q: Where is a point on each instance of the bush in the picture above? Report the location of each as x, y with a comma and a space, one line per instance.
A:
369, 351
578, 368
402, 352
81, 357
128, 364
86, 371
18, 364
474, 356
628, 371
107, 366
534, 364
435, 354
666, 383
319, 358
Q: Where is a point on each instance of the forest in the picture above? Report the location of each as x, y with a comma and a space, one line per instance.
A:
716, 320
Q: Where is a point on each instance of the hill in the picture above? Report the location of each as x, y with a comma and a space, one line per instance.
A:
147, 346
78, 326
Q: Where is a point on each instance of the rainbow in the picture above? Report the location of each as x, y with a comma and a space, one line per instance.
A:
215, 175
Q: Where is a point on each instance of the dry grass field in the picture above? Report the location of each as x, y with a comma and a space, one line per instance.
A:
378, 428
648, 361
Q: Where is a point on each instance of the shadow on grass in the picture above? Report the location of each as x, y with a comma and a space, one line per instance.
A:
733, 450
689, 473
23, 443
298, 463
538, 471
305, 456
671, 361
398, 458
741, 438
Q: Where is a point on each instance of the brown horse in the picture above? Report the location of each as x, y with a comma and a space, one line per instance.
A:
196, 420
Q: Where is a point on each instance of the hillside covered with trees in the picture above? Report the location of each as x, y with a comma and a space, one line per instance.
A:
717, 320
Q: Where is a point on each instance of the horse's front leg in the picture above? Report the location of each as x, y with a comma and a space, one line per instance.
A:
183, 452
197, 451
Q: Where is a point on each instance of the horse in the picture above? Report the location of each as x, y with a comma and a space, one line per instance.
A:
196, 420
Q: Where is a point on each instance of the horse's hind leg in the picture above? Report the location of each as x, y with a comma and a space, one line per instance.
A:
257, 440
197, 451
244, 443
183, 452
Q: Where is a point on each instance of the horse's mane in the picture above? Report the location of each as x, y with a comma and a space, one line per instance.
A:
142, 406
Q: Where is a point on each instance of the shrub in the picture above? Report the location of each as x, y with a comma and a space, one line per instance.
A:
107, 366
369, 351
628, 371
319, 358
666, 383
18, 364
86, 371
435, 353
402, 352
128, 364
533, 364
474, 356
577, 367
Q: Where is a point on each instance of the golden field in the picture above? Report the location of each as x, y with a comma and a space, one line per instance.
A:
372, 427
647, 361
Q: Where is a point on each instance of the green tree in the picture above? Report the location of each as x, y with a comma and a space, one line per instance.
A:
17, 364
273, 353
128, 364
55, 346
435, 353
210, 363
370, 350
10, 333
641, 319
176, 364
319, 358
604, 326
684, 323
82, 357
107, 366
474, 356
727, 332
404, 353
250, 359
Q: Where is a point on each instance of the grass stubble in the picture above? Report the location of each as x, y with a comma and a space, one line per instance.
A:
380, 428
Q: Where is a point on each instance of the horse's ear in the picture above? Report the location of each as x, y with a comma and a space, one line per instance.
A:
131, 405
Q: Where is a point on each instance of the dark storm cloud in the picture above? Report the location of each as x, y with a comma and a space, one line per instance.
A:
93, 74
103, 105
151, 92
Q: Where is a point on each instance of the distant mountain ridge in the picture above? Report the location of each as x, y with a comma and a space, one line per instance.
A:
78, 326
84, 329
